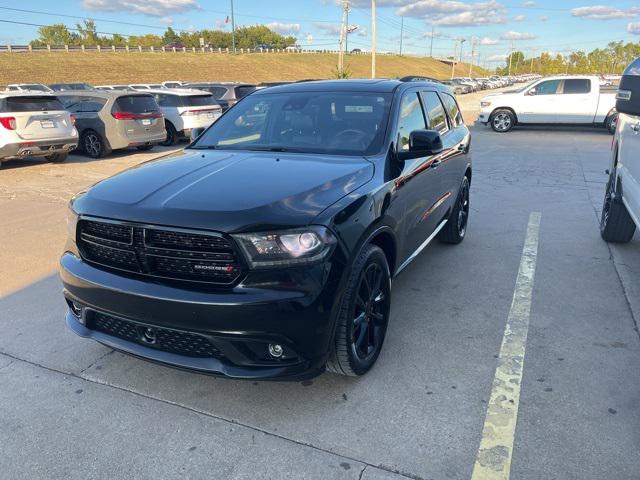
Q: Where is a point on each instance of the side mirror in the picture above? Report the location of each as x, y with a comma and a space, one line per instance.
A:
628, 95
195, 133
531, 93
422, 143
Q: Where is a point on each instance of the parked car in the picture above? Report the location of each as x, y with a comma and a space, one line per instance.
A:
174, 84
226, 94
466, 88
146, 86
63, 87
114, 87
621, 208
184, 110
28, 87
35, 125
110, 121
176, 45
267, 248
457, 89
554, 100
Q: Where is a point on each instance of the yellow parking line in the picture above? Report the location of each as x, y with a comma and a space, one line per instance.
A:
493, 460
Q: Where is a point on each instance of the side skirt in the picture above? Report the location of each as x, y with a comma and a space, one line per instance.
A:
421, 247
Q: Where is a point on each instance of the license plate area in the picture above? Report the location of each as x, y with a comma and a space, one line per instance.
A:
47, 124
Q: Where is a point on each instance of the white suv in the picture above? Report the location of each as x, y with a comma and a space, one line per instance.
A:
621, 209
35, 125
185, 110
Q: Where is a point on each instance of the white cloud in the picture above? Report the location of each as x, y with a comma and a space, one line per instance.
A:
328, 28
489, 41
362, 32
602, 12
497, 58
154, 8
543, 18
435, 34
424, 8
167, 21
634, 28
309, 39
284, 28
517, 36
519, 18
529, 3
469, 19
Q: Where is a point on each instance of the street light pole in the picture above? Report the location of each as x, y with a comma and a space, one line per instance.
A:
233, 29
401, 32
373, 38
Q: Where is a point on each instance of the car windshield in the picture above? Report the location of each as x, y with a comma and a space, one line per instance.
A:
339, 123
30, 104
36, 87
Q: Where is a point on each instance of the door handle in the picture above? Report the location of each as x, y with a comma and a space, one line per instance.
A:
462, 147
435, 163
636, 128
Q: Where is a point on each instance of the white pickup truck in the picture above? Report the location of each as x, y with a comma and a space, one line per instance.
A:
551, 100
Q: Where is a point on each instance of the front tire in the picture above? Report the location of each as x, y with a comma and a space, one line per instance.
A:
611, 123
172, 136
616, 225
456, 228
502, 120
363, 316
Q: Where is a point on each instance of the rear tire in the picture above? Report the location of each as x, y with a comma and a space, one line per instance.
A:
616, 225
363, 316
502, 120
94, 145
172, 136
456, 228
57, 157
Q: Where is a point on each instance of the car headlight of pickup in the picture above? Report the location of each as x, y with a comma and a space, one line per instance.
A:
286, 248
485, 104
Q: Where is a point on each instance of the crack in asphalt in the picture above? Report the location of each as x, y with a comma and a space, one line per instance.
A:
210, 415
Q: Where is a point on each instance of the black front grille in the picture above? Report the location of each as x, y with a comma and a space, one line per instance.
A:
167, 340
169, 254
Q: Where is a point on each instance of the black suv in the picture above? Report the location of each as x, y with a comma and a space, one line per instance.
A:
267, 248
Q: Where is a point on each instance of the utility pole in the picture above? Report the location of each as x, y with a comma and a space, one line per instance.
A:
346, 36
373, 38
510, 57
533, 55
462, 40
455, 54
233, 29
401, 32
473, 52
343, 35
431, 49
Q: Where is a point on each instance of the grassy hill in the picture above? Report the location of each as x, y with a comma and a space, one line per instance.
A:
109, 67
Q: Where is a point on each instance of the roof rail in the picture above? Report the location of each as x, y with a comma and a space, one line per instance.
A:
418, 78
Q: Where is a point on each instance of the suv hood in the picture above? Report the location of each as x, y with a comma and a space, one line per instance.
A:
227, 191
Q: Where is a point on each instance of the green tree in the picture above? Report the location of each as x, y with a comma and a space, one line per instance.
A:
88, 33
170, 36
57, 34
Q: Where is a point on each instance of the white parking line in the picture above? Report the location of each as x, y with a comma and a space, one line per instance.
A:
493, 460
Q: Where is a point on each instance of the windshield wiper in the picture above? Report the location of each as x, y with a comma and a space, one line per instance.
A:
270, 149
205, 147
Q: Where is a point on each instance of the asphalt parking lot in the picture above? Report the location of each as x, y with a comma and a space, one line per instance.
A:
70, 408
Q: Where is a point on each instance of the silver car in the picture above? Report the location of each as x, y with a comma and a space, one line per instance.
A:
35, 125
114, 120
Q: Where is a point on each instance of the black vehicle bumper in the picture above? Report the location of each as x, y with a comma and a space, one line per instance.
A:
296, 311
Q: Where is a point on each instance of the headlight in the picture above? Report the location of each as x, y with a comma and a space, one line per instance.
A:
485, 104
286, 248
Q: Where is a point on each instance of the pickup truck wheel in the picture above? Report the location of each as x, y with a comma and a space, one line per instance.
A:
616, 225
172, 136
363, 316
56, 157
611, 123
502, 121
456, 228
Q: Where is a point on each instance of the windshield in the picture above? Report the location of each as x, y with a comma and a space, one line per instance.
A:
36, 87
30, 104
340, 123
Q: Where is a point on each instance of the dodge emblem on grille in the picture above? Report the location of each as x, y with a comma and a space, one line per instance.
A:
149, 335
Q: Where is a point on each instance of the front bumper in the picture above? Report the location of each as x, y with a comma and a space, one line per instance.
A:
39, 148
295, 311
483, 117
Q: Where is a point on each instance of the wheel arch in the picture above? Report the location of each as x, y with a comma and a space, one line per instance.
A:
515, 115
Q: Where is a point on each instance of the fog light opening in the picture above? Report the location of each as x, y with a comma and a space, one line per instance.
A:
276, 350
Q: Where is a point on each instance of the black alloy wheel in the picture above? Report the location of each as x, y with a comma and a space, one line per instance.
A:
456, 228
364, 315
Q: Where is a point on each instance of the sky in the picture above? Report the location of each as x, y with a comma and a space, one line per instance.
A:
532, 26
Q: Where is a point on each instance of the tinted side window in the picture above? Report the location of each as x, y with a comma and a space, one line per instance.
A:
435, 112
452, 108
577, 86
244, 91
547, 88
411, 118
167, 100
